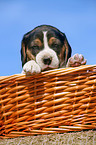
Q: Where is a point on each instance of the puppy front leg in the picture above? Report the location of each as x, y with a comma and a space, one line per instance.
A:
31, 67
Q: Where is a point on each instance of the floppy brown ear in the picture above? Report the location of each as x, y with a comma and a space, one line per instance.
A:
23, 52
65, 53
68, 51
26, 55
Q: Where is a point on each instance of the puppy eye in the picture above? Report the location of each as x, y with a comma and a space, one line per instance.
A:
35, 47
55, 45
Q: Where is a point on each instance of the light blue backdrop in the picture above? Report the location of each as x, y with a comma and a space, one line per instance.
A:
76, 18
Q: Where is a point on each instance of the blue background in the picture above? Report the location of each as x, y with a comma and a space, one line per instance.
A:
76, 18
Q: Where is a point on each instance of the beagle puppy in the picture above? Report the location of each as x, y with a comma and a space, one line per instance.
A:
46, 48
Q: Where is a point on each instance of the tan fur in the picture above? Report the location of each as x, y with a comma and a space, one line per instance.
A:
29, 55
53, 39
37, 42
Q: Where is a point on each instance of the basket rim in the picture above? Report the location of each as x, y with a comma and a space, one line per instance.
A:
49, 72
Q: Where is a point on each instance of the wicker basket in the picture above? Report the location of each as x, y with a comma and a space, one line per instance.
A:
55, 101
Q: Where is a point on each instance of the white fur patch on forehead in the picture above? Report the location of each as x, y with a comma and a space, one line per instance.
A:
49, 53
45, 40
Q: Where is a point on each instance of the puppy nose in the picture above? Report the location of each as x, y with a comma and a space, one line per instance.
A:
47, 61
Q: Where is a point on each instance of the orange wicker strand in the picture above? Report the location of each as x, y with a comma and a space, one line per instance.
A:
54, 101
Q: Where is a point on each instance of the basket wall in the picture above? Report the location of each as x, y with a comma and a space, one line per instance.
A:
55, 101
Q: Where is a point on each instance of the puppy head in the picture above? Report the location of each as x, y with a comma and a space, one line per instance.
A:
47, 46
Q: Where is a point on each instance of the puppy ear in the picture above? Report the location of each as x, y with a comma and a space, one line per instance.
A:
65, 53
26, 55
23, 51
68, 50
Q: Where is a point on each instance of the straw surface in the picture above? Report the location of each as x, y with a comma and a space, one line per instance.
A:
55, 101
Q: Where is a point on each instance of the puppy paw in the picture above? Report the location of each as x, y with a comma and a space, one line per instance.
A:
76, 60
31, 67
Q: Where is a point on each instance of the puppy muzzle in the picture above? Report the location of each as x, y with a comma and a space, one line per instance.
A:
47, 59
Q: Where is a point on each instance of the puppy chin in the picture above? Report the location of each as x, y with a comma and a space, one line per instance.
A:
46, 68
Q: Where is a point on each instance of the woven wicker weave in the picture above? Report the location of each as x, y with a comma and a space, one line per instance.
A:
55, 101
